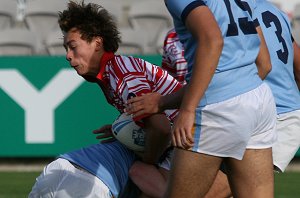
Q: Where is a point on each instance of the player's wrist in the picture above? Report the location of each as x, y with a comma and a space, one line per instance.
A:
161, 104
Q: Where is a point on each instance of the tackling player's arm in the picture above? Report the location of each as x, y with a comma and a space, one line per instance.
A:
156, 126
152, 103
297, 63
158, 134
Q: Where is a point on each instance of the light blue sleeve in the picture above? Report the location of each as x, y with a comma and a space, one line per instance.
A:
180, 9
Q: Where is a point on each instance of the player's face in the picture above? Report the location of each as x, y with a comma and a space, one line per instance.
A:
83, 56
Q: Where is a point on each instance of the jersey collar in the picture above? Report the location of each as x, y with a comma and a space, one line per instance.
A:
103, 62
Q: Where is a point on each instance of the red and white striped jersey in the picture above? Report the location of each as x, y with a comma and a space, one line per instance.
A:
173, 57
123, 77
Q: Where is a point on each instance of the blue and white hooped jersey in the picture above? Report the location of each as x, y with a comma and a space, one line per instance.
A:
236, 72
277, 30
110, 162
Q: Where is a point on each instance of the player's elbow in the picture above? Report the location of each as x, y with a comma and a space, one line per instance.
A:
219, 42
268, 67
215, 43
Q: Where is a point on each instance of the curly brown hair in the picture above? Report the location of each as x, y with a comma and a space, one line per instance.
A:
91, 20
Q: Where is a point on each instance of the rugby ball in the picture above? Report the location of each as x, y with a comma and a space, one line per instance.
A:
126, 131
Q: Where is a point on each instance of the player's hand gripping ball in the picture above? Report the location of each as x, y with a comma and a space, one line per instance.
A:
126, 131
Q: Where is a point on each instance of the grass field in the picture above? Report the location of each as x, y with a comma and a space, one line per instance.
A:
18, 184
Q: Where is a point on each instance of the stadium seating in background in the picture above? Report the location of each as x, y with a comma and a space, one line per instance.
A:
140, 23
149, 17
296, 34
296, 16
114, 7
133, 41
54, 44
296, 23
16, 41
8, 13
41, 16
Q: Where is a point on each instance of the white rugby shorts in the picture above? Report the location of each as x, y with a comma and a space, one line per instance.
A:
61, 179
166, 163
228, 128
286, 146
288, 142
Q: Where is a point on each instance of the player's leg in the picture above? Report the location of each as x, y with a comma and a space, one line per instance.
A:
80, 183
192, 174
55, 180
62, 179
47, 182
144, 196
151, 180
130, 190
288, 141
253, 176
220, 188
217, 132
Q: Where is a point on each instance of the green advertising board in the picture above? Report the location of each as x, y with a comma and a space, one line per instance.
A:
47, 109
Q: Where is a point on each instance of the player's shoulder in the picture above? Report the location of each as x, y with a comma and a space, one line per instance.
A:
129, 64
266, 8
172, 33
127, 58
171, 37
184, 7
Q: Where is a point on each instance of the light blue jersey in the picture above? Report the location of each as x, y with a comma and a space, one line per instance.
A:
277, 30
236, 72
109, 162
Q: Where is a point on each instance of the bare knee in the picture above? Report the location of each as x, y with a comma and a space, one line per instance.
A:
136, 170
148, 178
220, 187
